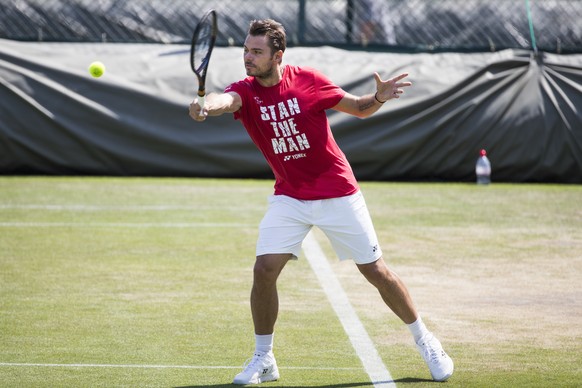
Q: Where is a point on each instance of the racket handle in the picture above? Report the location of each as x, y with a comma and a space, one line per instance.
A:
201, 100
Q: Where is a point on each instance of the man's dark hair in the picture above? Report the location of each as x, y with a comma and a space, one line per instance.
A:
274, 31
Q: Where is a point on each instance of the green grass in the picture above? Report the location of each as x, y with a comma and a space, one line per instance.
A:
144, 271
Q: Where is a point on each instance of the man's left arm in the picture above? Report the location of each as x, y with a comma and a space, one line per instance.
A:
365, 106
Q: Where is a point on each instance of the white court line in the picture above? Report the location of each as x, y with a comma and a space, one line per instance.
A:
124, 225
97, 208
136, 366
354, 328
108, 208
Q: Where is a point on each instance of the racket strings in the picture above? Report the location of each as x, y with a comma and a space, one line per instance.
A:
202, 48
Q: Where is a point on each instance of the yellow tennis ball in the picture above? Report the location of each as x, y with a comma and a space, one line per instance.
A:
96, 69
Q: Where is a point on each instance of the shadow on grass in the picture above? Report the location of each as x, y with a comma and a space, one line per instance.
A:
346, 385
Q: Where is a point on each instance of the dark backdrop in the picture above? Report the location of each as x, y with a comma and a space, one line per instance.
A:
56, 119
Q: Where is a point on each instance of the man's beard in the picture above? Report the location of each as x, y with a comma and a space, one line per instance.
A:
265, 74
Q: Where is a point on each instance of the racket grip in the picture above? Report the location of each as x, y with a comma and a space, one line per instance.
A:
201, 101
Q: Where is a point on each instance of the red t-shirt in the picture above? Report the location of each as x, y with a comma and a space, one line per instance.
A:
288, 123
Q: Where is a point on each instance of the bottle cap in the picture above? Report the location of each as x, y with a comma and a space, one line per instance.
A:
483, 152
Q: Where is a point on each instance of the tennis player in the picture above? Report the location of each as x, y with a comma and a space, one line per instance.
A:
283, 108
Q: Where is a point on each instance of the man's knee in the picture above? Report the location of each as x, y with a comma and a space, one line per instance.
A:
376, 272
268, 267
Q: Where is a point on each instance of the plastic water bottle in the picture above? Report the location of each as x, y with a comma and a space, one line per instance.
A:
483, 169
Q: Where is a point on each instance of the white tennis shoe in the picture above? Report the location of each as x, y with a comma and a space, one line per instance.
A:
259, 369
439, 363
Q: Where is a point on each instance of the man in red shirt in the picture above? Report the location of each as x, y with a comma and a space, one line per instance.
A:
283, 108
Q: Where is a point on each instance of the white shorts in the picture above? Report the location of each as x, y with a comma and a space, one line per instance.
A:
345, 221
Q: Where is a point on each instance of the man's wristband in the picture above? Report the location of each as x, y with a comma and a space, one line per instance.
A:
376, 97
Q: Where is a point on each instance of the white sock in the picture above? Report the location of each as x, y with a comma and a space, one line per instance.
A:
418, 329
264, 343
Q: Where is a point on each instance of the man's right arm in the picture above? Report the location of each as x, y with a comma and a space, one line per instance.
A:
215, 105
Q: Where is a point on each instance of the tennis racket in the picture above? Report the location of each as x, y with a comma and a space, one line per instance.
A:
203, 41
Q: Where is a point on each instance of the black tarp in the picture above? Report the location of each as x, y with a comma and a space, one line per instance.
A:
56, 119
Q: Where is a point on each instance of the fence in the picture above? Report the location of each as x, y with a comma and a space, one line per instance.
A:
409, 25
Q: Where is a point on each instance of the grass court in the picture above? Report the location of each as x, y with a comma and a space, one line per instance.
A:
144, 282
